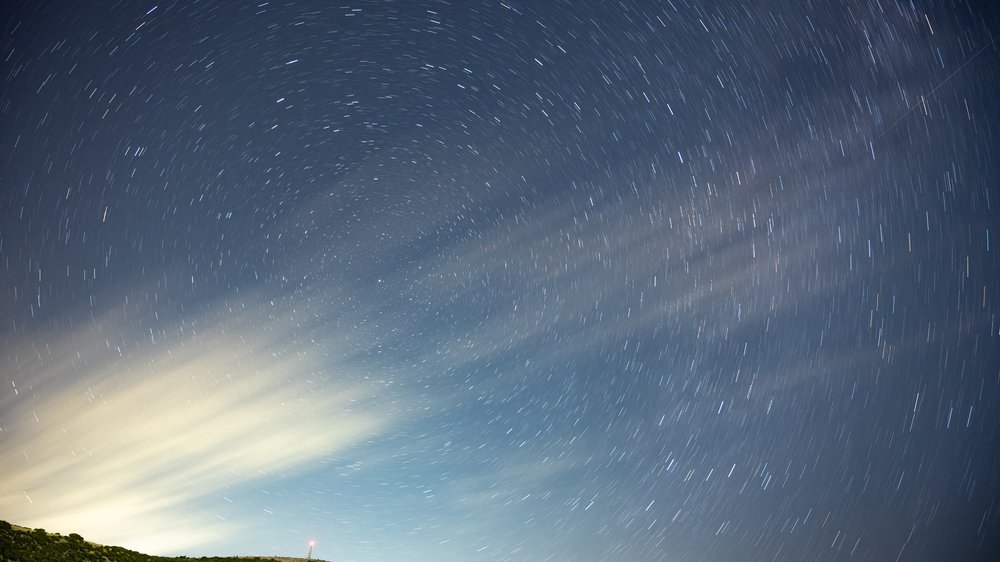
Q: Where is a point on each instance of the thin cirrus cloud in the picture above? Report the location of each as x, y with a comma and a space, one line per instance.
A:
121, 442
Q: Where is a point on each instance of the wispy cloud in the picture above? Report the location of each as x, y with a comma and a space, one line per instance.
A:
120, 442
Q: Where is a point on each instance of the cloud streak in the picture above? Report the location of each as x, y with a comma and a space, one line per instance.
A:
118, 442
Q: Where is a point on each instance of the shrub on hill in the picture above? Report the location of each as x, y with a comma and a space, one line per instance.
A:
35, 545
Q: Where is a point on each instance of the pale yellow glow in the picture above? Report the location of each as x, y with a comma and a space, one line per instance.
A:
118, 444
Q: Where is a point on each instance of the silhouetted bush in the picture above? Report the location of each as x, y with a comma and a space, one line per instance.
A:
35, 545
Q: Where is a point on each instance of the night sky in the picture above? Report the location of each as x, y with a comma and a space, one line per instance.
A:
506, 280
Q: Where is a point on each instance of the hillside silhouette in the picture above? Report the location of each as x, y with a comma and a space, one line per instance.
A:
20, 544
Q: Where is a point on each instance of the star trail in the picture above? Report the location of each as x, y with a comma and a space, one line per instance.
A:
505, 280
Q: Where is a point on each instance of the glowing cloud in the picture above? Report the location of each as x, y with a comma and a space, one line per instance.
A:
120, 442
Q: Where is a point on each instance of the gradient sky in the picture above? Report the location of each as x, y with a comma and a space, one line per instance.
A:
506, 280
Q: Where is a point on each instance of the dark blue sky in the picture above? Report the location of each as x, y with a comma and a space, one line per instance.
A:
503, 280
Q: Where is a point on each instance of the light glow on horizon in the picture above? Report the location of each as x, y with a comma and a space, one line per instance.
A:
119, 443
